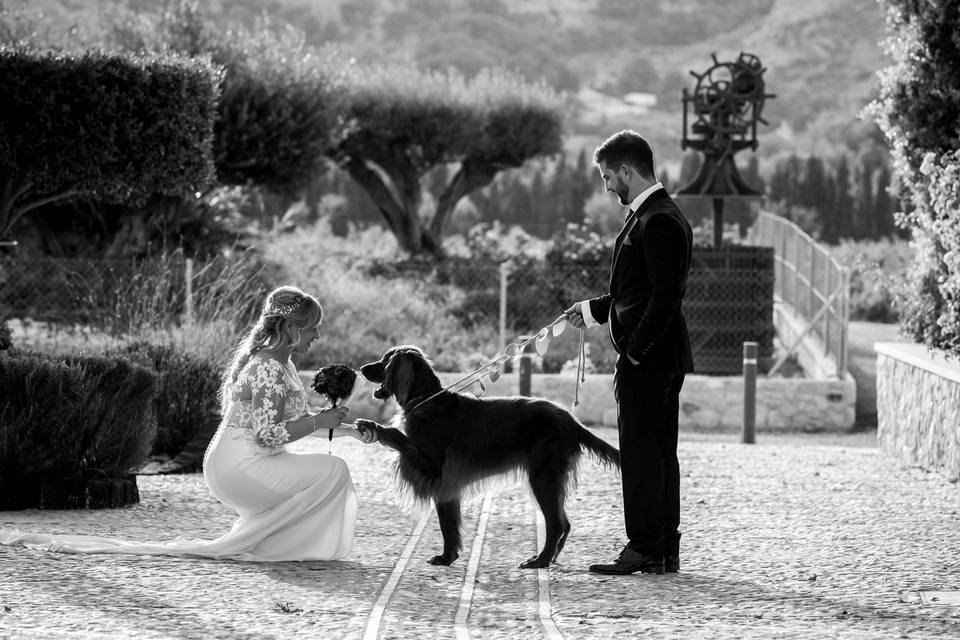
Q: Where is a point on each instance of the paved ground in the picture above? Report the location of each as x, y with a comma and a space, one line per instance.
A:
799, 536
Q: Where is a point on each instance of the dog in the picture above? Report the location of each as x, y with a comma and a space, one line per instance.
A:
453, 440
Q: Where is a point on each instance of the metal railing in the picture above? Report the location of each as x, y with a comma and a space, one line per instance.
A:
811, 281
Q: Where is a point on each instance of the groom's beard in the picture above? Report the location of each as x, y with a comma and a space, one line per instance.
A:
622, 192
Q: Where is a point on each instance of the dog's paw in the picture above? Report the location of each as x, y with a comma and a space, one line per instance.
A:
444, 560
536, 562
365, 426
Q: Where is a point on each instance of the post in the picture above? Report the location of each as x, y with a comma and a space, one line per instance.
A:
526, 367
188, 295
717, 223
748, 435
504, 277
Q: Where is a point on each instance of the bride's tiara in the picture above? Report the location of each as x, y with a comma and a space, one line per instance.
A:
283, 310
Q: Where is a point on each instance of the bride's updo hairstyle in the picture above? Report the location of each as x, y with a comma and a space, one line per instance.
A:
286, 312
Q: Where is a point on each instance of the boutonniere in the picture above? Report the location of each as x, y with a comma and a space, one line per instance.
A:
627, 240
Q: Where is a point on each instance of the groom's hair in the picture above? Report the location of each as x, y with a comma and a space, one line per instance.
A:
626, 147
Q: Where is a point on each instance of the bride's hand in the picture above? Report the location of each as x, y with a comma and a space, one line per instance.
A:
366, 436
330, 418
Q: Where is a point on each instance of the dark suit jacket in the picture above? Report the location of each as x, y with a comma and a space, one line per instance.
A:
648, 279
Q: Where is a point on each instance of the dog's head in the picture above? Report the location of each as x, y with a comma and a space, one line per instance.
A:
404, 373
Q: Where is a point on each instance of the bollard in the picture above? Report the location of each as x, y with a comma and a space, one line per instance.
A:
748, 435
526, 367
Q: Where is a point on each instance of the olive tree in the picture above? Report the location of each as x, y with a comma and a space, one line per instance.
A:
279, 110
405, 122
118, 128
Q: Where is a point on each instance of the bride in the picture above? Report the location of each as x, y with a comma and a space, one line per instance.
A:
290, 506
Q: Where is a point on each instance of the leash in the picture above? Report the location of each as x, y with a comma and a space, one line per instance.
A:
518, 349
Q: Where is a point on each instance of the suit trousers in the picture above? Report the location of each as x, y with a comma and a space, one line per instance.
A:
648, 405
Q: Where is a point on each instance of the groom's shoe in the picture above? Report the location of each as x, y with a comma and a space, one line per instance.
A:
630, 561
671, 563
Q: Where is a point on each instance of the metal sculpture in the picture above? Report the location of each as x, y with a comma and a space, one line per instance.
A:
727, 103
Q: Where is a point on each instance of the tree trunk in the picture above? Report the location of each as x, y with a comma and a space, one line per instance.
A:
398, 221
400, 210
470, 176
10, 211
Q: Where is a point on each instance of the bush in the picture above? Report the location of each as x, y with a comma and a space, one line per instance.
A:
368, 309
130, 296
919, 112
6, 336
186, 400
73, 417
878, 279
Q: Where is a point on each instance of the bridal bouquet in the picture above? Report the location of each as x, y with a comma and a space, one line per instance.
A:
335, 381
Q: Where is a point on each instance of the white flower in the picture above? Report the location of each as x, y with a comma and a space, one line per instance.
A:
929, 164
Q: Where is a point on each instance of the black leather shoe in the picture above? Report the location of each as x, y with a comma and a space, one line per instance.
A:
630, 561
671, 563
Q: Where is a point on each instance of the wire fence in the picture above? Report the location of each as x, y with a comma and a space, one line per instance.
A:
117, 294
811, 281
729, 296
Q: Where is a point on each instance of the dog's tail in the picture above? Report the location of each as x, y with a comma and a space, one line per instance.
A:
605, 453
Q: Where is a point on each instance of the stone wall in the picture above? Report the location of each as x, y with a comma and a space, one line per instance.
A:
918, 407
706, 402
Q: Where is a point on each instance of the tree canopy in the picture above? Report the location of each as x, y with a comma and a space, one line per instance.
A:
406, 122
119, 128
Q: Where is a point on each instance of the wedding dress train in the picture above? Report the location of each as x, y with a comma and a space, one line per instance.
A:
291, 506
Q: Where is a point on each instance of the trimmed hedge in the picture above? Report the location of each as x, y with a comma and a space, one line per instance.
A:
73, 417
280, 108
186, 401
119, 128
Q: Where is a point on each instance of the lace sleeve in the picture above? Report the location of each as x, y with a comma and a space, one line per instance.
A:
268, 399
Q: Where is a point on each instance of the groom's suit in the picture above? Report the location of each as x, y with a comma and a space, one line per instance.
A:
651, 260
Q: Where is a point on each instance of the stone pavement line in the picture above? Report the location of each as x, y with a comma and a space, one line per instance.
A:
376, 615
550, 629
466, 595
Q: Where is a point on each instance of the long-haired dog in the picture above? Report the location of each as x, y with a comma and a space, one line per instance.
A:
453, 440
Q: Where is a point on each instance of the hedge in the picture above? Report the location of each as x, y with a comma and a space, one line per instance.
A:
119, 128
73, 417
186, 401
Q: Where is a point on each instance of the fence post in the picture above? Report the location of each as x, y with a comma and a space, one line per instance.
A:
748, 435
811, 296
188, 295
844, 325
526, 367
504, 277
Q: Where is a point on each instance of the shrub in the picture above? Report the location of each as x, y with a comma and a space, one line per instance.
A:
128, 296
118, 128
186, 400
6, 336
919, 112
368, 309
878, 280
73, 417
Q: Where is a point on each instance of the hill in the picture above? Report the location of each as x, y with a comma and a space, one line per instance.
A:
821, 55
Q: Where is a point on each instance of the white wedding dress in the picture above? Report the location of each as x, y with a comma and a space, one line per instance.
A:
291, 506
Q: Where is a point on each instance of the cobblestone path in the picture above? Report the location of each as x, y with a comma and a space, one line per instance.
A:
796, 537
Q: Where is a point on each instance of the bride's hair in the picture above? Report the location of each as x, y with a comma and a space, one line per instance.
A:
286, 312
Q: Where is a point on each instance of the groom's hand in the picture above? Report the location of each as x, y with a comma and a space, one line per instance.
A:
574, 316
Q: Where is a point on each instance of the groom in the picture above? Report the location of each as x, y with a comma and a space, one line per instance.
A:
642, 309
